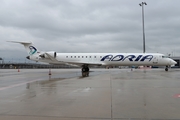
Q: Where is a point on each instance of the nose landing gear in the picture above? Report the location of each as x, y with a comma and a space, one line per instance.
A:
166, 69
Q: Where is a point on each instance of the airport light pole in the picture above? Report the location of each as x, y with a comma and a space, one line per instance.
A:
142, 5
1, 60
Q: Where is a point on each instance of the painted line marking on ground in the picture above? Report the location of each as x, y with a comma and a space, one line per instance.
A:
19, 84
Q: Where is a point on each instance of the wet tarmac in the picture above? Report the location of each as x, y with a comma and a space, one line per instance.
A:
107, 94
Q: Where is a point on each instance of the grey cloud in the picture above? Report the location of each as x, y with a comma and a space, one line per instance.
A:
89, 25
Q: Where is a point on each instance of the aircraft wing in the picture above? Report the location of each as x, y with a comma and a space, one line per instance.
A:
79, 63
74, 63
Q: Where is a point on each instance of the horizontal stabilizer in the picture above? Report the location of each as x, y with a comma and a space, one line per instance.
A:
24, 43
31, 50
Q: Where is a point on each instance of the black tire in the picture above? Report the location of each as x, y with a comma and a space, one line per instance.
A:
83, 70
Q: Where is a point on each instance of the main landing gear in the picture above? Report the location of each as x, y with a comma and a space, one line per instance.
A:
166, 69
85, 71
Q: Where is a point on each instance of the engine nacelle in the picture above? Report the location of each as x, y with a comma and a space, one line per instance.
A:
51, 53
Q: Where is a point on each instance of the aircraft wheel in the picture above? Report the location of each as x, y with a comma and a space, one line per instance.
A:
166, 69
85, 71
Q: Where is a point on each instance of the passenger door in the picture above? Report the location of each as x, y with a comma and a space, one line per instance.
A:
155, 60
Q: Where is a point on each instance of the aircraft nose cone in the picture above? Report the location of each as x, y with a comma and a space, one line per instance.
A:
173, 62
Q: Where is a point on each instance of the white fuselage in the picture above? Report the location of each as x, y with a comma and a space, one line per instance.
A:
121, 59
88, 59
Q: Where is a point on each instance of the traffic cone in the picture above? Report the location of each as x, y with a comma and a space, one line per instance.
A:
18, 70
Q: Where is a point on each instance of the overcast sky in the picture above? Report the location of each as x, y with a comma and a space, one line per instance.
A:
89, 26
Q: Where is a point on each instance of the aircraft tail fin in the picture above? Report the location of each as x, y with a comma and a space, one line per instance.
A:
31, 50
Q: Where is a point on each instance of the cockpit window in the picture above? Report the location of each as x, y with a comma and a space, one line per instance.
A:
165, 57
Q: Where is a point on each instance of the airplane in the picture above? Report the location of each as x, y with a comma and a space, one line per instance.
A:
85, 60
